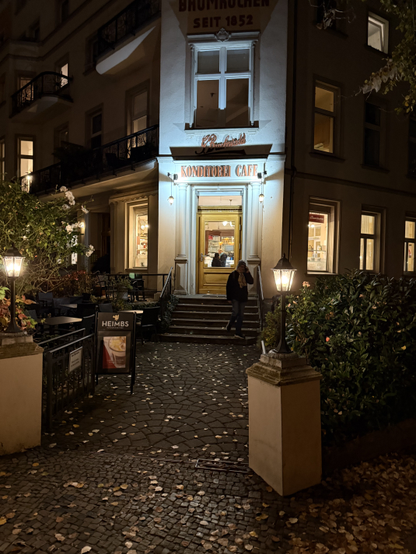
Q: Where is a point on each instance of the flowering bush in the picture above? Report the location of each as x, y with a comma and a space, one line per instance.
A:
359, 331
45, 233
25, 322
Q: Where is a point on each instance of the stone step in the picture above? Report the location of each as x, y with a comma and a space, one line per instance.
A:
213, 307
211, 315
207, 339
252, 301
220, 323
191, 330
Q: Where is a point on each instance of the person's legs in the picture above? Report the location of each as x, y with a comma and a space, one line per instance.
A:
234, 314
240, 316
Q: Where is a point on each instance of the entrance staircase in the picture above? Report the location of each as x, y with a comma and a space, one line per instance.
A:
203, 319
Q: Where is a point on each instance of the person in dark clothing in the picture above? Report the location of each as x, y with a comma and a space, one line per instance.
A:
223, 259
216, 262
237, 295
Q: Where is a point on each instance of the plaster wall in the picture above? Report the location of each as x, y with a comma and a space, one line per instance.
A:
20, 399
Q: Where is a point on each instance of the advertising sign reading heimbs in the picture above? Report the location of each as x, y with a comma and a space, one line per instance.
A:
116, 344
233, 15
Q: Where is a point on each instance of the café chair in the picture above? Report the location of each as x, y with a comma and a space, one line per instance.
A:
45, 301
88, 323
149, 322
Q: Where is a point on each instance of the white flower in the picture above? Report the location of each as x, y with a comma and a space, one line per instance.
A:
89, 251
63, 189
84, 210
70, 197
24, 238
69, 228
65, 207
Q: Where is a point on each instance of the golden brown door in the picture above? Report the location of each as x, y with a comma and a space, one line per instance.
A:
219, 232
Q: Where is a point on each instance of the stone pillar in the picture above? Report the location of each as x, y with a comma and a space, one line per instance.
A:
253, 249
182, 234
20, 395
285, 422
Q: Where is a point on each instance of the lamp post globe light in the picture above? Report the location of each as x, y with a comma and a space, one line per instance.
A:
283, 277
13, 262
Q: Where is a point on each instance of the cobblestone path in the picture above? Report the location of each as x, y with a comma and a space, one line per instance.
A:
119, 475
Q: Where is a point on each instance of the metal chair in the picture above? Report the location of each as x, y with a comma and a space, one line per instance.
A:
88, 323
45, 301
149, 321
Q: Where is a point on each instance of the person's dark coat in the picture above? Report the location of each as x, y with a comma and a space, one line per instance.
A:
234, 291
216, 262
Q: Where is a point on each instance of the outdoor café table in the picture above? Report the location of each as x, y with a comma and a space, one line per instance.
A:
61, 320
72, 306
137, 312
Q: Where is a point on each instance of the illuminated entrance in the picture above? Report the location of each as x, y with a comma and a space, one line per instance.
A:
218, 242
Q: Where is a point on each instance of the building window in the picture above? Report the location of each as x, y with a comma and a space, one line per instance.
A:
409, 245
63, 69
61, 138
95, 129
137, 114
378, 33
412, 148
91, 52
139, 236
25, 156
2, 159
325, 117
370, 241
373, 135
322, 232
223, 84
63, 10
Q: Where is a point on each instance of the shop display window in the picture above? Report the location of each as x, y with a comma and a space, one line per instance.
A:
141, 239
318, 241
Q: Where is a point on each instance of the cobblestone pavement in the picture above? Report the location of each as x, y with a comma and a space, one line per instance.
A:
119, 475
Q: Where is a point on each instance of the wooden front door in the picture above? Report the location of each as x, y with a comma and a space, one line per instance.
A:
219, 232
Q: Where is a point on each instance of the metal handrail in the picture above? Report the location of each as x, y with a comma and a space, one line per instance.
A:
126, 23
260, 296
108, 158
168, 283
47, 83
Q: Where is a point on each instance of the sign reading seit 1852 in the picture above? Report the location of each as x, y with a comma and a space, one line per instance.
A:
240, 170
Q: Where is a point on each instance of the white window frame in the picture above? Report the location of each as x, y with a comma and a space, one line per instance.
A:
201, 43
383, 24
378, 215
331, 209
21, 156
408, 240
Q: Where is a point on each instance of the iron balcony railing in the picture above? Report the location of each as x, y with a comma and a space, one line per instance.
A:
47, 83
126, 23
88, 164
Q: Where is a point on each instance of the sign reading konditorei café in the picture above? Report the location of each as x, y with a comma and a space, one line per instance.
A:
202, 171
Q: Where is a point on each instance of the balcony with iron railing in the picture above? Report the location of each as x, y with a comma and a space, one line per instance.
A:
120, 37
41, 93
84, 165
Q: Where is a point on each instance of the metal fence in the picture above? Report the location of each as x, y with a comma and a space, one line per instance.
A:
68, 376
47, 83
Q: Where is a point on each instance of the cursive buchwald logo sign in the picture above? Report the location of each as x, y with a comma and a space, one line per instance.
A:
209, 142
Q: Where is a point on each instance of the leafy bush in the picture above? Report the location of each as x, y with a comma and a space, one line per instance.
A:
359, 331
23, 320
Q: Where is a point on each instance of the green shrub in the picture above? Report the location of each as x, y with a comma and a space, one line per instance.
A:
359, 331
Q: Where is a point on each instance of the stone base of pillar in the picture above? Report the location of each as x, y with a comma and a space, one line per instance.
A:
285, 422
20, 397
181, 276
253, 262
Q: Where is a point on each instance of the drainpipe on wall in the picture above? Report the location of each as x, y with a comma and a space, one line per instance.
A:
292, 138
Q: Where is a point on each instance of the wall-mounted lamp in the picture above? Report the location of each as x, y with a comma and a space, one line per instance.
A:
261, 176
173, 178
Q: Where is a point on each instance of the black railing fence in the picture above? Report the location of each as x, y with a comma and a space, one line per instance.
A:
126, 23
47, 83
68, 376
87, 164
